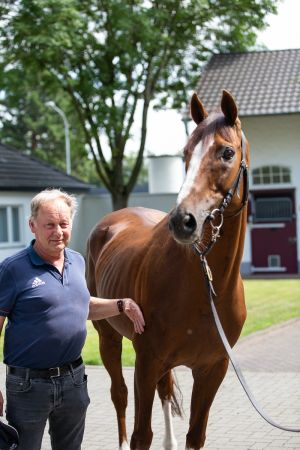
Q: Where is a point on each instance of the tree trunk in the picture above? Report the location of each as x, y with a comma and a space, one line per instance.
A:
119, 200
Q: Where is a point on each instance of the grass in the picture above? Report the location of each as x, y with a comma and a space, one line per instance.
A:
269, 302
90, 352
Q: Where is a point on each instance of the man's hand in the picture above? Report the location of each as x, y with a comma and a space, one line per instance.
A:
133, 312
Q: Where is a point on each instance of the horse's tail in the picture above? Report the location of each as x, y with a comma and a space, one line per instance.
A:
176, 400
168, 389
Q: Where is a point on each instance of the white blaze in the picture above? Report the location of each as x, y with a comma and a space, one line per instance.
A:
190, 177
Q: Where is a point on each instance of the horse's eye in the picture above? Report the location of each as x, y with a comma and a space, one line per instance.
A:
228, 153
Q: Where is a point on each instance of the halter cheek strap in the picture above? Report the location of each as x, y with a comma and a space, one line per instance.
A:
243, 171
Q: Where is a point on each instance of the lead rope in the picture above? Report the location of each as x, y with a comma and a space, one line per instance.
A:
216, 221
235, 365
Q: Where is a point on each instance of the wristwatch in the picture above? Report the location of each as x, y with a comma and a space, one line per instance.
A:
120, 305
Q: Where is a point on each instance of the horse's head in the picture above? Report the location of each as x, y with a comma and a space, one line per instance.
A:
215, 157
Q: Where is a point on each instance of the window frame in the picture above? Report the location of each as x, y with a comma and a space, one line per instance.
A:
277, 175
273, 199
9, 218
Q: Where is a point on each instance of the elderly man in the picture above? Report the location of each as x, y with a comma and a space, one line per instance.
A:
44, 296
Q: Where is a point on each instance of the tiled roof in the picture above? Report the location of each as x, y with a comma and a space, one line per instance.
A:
22, 172
265, 82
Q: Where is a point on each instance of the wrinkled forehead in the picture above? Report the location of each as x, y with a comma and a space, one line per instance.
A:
205, 134
57, 207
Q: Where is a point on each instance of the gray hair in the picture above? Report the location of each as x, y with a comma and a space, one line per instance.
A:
51, 195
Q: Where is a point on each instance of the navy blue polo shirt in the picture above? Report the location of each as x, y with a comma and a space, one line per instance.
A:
46, 311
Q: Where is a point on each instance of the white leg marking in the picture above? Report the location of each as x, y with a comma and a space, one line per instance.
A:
169, 442
124, 446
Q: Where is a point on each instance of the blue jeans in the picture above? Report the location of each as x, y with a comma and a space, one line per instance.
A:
62, 400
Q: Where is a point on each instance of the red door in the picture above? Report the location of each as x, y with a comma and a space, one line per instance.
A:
273, 232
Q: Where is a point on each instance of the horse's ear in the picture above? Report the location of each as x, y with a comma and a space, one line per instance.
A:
198, 111
229, 107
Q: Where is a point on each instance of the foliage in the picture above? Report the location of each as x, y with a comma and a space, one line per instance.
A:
109, 56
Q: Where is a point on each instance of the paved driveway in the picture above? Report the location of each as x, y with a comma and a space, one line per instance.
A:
271, 364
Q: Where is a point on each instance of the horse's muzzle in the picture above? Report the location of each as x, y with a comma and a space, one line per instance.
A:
183, 225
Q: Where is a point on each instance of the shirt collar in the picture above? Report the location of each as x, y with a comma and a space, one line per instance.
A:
38, 261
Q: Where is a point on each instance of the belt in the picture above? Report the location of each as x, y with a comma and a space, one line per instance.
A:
52, 372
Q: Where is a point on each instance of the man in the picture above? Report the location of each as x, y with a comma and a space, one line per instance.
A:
44, 296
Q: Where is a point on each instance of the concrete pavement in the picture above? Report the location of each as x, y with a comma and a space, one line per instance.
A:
271, 364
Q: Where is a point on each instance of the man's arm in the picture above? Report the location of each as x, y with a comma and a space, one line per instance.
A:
101, 308
2, 320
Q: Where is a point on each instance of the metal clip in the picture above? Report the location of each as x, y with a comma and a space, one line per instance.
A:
216, 228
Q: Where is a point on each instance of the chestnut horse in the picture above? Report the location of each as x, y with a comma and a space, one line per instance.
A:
148, 255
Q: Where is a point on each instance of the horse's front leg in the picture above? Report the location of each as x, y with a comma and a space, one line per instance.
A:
145, 379
206, 383
111, 351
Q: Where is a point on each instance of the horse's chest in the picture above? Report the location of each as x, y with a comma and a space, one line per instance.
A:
186, 342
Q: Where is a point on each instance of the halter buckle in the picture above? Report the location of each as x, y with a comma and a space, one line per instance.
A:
216, 228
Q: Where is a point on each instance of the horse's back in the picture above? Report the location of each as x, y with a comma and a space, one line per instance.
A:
136, 222
122, 235
115, 252
132, 217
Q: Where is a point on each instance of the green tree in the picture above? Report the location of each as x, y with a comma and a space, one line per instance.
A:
109, 56
28, 125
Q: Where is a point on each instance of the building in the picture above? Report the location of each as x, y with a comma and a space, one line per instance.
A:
21, 177
266, 86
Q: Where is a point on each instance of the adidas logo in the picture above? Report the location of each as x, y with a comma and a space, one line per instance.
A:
37, 282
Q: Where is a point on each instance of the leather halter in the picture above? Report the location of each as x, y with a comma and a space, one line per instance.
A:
218, 212
243, 170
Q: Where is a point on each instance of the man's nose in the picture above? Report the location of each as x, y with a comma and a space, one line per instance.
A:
58, 230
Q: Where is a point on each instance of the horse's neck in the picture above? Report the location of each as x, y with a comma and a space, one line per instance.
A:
226, 256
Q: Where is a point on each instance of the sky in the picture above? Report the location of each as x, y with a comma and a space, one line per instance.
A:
166, 133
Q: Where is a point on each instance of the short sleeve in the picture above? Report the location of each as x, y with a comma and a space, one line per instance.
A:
7, 290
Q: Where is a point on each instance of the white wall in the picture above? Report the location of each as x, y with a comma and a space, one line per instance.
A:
275, 140
166, 174
94, 207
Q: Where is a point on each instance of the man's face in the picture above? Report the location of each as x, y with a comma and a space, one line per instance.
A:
52, 227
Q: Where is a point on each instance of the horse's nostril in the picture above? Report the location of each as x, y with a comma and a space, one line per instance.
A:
182, 224
189, 223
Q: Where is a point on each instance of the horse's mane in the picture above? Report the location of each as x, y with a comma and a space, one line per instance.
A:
214, 123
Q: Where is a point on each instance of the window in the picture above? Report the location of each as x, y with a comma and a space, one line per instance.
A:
271, 175
274, 261
10, 224
273, 209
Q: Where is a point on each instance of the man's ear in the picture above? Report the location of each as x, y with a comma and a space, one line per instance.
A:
31, 225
